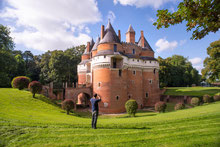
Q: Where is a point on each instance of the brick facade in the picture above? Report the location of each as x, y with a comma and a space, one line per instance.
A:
119, 71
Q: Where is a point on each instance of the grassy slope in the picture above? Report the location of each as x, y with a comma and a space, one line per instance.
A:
25, 121
192, 91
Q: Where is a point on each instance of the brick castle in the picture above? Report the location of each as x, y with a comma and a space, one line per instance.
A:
119, 71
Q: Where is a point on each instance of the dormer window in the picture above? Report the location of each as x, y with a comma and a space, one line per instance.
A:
133, 51
115, 47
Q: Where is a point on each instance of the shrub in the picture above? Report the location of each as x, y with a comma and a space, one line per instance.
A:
160, 106
216, 97
35, 87
179, 106
207, 98
131, 107
195, 101
20, 82
68, 105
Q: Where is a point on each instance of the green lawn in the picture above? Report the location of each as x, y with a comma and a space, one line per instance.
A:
25, 121
192, 91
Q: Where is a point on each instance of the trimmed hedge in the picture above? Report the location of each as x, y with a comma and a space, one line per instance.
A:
35, 87
131, 107
67, 105
195, 101
160, 106
216, 97
207, 98
179, 106
20, 82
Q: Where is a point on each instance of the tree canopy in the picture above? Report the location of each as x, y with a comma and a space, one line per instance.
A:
177, 71
203, 15
212, 63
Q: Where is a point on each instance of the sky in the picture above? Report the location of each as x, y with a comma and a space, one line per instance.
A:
42, 25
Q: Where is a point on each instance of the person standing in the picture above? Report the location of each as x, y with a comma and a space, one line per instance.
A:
95, 109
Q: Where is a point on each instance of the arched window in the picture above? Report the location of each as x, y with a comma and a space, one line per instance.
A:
133, 51
117, 97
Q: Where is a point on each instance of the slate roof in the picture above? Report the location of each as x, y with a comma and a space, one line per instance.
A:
96, 44
130, 29
110, 35
146, 44
91, 46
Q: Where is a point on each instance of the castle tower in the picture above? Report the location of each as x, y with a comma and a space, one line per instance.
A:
118, 71
130, 35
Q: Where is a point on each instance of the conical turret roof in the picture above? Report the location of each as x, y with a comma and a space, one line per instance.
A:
146, 44
96, 44
110, 35
90, 48
130, 29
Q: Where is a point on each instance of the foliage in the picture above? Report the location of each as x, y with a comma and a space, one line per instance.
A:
68, 105
35, 87
6, 42
216, 97
177, 71
203, 15
191, 91
24, 118
20, 82
195, 101
212, 63
60, 66
131, 107
160, 106
207, 98
179, 106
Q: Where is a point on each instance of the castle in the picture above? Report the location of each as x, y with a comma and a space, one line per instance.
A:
119, 71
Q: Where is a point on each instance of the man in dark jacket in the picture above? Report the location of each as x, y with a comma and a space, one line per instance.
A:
95, 109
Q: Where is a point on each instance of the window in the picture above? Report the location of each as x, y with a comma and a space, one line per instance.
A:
105, 56
137, 60
99, 84
150, 61
117, 97
119, 73
114, 63
154, 70
115, 47
145, 62
129, 96
124, 51
150, 81
134, 72
146, 94
133, 51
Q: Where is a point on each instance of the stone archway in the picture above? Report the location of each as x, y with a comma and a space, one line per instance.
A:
83, 100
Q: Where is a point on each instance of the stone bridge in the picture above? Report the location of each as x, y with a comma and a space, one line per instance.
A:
72, 93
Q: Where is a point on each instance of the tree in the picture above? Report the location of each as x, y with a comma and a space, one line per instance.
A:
212, 63
68, 105
177, 71
6, 42
35, 87
203, 15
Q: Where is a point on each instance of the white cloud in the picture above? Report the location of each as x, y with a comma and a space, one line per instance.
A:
196, 60
49, 24
162, 45
152, 20
143, 3
182, 42
111, 16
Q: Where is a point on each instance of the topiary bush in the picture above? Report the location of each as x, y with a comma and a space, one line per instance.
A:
67, 105
35, 87
195, 101
20, 82
207, 98
160, 106
216, 97
131, 107
179, 106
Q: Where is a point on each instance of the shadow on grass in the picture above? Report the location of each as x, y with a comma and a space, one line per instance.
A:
191, 92
127, 128
127, 116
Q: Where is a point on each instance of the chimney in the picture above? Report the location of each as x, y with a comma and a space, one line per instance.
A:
142, 38
102, 31
88, 47
119, 35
